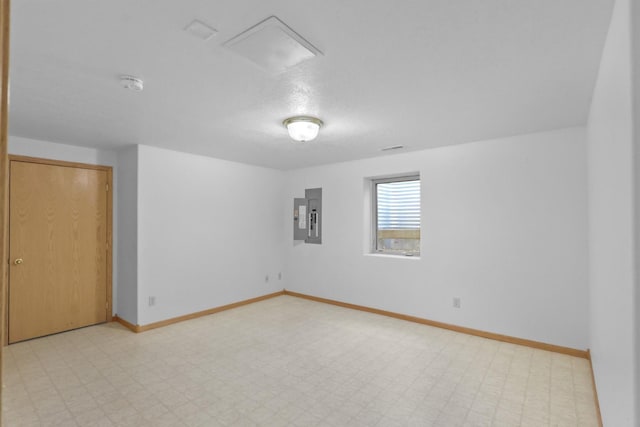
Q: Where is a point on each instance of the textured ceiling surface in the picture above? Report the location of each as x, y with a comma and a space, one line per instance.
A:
421, 73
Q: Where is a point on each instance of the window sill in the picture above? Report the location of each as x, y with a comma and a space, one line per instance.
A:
392, 256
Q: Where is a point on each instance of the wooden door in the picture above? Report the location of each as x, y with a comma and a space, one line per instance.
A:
57, 248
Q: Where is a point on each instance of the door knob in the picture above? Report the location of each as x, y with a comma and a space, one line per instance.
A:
18, 261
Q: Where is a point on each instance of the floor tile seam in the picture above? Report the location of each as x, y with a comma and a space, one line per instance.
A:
496, 350
440, 412
34, 405
511, 365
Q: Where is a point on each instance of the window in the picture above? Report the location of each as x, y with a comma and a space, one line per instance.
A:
396, 215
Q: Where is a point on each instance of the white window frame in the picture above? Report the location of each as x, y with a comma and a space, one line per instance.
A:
374, 212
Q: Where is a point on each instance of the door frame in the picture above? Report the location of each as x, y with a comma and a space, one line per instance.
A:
4, 166
109, 258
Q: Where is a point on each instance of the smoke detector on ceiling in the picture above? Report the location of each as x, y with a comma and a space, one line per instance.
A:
131, 82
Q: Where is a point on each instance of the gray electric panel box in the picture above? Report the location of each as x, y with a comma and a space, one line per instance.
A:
307, 217
314, 203
299, 219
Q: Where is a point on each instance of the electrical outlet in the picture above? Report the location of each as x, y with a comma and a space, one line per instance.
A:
152, 301
280, 276
456, 302
266, 279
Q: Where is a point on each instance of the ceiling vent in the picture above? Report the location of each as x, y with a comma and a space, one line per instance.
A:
393, 147
200, 30
272, 45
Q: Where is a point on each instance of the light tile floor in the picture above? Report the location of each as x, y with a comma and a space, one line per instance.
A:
290, 362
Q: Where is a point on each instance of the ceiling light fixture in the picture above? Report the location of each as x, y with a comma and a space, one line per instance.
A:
303, 128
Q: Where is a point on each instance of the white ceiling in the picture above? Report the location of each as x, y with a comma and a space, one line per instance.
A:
422, 73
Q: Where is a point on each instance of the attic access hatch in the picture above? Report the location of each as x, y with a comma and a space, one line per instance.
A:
272, 45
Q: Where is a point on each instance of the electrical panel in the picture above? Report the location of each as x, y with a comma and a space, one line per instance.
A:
299, 219
307, 216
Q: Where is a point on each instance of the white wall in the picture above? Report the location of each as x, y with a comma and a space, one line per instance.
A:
503, 227
194, 232
55, 151
71, 153
611, 227
127, 213
209, 231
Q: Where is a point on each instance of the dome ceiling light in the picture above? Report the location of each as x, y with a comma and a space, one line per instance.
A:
303, 128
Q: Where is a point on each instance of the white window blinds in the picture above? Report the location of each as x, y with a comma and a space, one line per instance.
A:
398, 205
